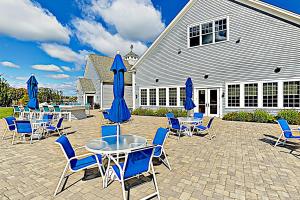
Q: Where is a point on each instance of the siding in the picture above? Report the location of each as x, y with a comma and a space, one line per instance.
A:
108, 96
266, 43
91, 73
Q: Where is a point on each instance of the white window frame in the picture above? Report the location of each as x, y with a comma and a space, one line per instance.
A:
204, 22
226, 96
282, 95
140, 94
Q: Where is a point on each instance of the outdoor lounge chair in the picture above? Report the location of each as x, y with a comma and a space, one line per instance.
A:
287, 132
169, 115
159, 141
17, 109
10, 125
177, 128
136, 163
59, 113
202, 129
58, 127
108, 130
77, 163
23, 128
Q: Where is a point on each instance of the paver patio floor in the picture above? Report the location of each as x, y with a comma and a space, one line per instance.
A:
239, 163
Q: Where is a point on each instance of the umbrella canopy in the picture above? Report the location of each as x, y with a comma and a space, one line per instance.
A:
32, 89
119, 111
189, 104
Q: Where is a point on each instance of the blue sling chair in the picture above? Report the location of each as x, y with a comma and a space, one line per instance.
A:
10, 125
108, 130
136, 163
202, 129
76, 163
51, 128
286, 132
169, 115
177, 128
159, 141
23, 128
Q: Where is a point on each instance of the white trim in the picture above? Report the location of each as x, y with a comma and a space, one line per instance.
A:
133, 91
101, 94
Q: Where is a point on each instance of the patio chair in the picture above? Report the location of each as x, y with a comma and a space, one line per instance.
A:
48, 118
18, 110
159, 141
50, 128
108, 130
59, 113
169, 115
136, 163
177, 128
77, 163
202, 129
23, 128
10, 125
198, 115
46, 110
26, 112
286, 132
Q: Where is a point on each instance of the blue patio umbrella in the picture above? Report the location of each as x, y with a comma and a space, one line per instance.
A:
189, 104
32, 90
119, 111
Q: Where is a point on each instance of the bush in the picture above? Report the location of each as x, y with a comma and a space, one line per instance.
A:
96, 106
292, 116
262, 116
239, 116
161, 112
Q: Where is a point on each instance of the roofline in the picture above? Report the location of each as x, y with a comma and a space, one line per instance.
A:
257, 4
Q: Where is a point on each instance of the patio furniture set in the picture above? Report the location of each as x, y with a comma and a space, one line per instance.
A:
128, 156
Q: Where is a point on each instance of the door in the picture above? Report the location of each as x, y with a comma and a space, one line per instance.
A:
90, 101
208, 102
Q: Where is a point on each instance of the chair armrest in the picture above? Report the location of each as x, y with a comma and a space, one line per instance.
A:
83, 155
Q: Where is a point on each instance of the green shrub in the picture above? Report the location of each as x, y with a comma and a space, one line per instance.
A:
161, 112
179, 112
262, 116
239, 116
292, 116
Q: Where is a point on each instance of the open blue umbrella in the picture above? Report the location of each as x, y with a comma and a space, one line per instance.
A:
119, 111
189, 104
32, 90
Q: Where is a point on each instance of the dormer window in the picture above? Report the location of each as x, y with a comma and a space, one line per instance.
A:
210, 32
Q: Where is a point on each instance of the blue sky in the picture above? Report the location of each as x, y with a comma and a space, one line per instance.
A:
52, 38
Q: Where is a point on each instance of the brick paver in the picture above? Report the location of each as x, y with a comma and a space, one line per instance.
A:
239, 163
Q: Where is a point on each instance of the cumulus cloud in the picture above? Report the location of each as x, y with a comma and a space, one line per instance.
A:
9, 64
67, 69
49, 68
133, 19
94, 34
58, 76
25, 20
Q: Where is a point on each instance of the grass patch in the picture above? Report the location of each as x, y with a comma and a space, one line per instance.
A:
6, 112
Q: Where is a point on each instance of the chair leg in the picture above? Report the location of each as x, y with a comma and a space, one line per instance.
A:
13, 139
154, 180
167, 161
101, 172
123, 189
5, 131
30, 138
61, 178
278, 141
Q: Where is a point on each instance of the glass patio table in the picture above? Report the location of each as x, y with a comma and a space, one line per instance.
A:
190, 122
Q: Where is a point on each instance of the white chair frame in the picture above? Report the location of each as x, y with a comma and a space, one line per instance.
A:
7, 129
23, 135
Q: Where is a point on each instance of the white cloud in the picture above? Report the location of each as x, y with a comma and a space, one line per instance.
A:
9, 64
67, 69
49, 68
25, 20
95, 35
133, 19
22, 78
58, 76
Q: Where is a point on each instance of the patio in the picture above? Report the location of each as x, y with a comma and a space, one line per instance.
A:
238, 164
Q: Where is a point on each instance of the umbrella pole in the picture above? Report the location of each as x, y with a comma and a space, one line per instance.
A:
118, 134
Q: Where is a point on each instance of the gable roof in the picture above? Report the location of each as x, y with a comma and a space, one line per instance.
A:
285, 15
87, 85
103, 64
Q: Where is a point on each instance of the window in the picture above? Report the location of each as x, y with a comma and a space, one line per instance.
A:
251, 95
207, 33
270, 97
172, 96
182, 96
210, 32
144, 97
162, 96
152, 96
194, 36
291, 94
233, 95
220, 30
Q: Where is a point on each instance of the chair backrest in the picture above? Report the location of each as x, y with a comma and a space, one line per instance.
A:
105, 115
108, 130
23, 126
37, 110
159, 139
210, 122
67, 148
17, 109
48, 117
56, 108
26, 109
198, 115
10, 123
175, 123
46, 109
59, 123
170, 115
138, 162
285, 128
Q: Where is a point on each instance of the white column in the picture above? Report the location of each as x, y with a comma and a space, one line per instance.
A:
196, 100
178, 96
157, 96
260, 94
133, 91
280, 94
242, 95
148, 97
167, 97
101, 95
221, 102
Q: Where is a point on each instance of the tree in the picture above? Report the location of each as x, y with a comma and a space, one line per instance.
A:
4, 92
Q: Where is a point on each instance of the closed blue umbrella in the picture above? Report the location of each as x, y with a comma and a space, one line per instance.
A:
119, 111
189, 104
32, 89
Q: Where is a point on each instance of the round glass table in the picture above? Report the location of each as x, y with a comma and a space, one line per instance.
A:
115, 144
190, 122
